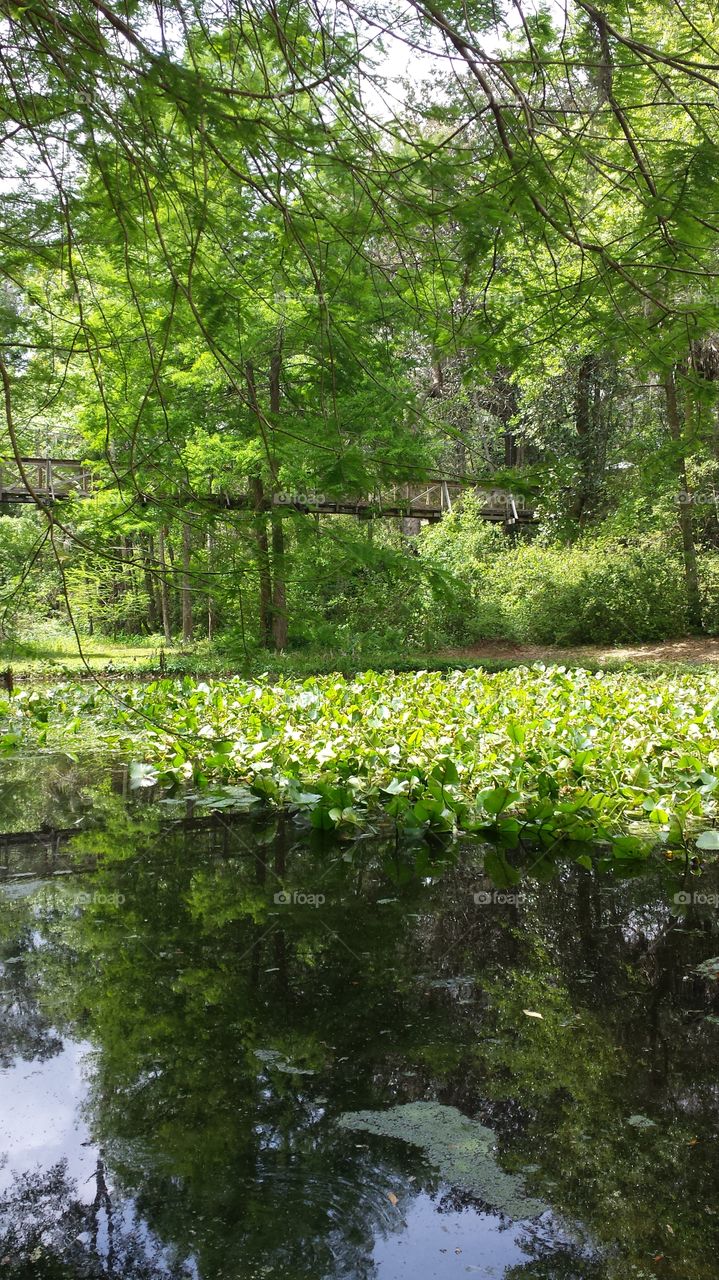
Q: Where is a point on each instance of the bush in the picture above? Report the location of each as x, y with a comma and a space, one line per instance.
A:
709, 582
596, 591
592, 593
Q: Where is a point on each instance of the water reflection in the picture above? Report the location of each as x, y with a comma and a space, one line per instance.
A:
190, 1016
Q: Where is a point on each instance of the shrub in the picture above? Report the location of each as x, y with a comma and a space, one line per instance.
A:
591, 593
709, 581
594, 591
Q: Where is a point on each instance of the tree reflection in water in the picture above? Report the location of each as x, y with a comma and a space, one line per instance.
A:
231, 1031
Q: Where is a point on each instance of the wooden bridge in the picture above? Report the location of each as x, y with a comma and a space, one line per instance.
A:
49, 478
55, 479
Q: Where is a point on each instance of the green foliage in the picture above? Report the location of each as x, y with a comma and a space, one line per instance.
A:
256, 299
709, 568
28, 585
596, 591
534, 754
593, 592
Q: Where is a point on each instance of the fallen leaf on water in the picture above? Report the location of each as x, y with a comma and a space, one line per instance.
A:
531, 1014
392, 1197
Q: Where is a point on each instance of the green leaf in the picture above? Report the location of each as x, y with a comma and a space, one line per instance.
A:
500, 870
708, 840
629, 847
498, 799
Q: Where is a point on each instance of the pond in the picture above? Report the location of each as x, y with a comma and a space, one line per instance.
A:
232, 1048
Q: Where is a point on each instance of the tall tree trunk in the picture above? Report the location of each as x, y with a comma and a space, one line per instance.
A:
591, 444
502, 402
279, 594
211, 607
173, 581
279, 590
257, 491
153, 611
263, 562
691, 571
186, 585
164, 592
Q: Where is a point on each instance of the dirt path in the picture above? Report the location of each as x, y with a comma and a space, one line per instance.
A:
692, 649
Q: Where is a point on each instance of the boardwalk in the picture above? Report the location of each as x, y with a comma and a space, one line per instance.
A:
55, 479
49, 478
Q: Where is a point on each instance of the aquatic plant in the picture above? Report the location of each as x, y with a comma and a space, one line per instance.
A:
529, 754
462, 1150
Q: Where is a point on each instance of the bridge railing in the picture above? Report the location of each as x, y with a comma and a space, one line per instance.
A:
443, 494
52, 478
49, 477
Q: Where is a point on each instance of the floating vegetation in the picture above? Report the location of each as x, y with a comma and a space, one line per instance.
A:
538, 754
641, 1122
460, 1148
273, 1058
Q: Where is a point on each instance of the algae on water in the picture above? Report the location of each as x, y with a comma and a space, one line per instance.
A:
461, 1149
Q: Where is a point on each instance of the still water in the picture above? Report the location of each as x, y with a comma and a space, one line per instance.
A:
232, 1050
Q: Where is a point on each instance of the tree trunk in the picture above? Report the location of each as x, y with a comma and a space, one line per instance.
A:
153, 612
279, 593
591, 445
691, 571
164, 593
264, 573
502, 403
211, 608
175, 592
186, 585
263, 563
279, 590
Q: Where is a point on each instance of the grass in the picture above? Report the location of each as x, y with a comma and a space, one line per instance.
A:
52, 654
56, 652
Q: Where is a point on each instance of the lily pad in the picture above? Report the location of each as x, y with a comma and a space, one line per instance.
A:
273, 1058
269, 1055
